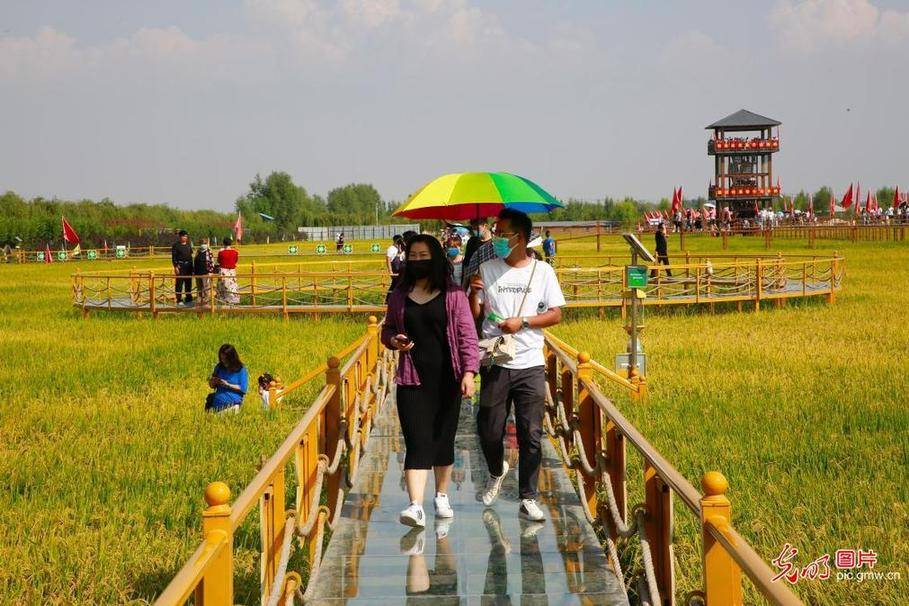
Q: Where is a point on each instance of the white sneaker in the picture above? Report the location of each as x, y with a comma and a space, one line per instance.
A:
413, 516
443, 507
531, 511
493, 484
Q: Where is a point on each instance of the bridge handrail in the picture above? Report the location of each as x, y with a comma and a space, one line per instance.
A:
335, 424
591, 434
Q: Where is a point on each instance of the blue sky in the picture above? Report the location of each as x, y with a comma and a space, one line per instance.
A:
184, 102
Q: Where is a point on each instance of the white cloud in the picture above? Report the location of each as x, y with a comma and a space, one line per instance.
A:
372, 13
810, 25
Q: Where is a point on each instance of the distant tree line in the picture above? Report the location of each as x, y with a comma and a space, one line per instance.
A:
36, 222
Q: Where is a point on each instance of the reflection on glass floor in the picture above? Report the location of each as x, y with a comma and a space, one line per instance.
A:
486, 555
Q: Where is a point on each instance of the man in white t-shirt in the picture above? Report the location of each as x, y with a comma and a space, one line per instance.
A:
518, 295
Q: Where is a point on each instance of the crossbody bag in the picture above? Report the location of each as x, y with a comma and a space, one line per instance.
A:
501, 349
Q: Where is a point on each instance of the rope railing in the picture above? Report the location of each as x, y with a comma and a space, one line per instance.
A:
736, 279
591, 436
324, 448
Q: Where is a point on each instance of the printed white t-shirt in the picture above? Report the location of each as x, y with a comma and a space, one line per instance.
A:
503, 290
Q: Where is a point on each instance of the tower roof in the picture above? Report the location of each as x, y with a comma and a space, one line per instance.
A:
744, 119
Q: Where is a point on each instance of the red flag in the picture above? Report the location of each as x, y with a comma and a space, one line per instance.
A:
69, 234
105, 246
757, 210
896, 198
48, 257
675, 200
847, 198
238, 227
681, 198
858, 195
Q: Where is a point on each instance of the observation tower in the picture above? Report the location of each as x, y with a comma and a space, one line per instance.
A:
742, 147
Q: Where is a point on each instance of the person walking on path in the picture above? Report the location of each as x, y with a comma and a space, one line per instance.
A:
662, 251
203, 266
227, 264
181, 257
519, 296
481, 239
428, 321
549, 248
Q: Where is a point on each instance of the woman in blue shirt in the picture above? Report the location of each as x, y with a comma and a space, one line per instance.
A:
229, 379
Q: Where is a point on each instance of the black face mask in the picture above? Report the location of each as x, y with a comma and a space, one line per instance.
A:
418, 269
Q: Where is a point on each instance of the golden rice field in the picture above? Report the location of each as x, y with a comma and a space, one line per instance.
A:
105, 450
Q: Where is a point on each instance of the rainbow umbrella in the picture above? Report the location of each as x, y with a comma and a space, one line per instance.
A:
476, 195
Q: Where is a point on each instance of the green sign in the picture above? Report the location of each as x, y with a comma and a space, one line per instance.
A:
41, 256
320, 249
375, 248
121, 253
61, 255
636, 276
292, 249
92, 255
348, 248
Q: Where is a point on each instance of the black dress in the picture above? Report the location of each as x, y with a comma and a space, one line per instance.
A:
429, 411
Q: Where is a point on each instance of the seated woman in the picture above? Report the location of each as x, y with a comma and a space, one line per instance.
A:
229, 379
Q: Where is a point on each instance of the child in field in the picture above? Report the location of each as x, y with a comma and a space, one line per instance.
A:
229, 379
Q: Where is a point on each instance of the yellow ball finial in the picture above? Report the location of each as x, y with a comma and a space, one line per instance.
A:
373, 320
333, 362
583, 357
217, 493
714, 483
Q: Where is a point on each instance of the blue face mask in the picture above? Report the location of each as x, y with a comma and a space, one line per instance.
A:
501, 247
453, 251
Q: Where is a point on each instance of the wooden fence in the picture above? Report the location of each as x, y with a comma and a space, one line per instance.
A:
730, 279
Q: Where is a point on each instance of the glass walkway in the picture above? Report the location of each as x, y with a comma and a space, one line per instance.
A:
485, 556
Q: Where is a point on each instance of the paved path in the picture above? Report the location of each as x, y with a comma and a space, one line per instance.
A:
489, 556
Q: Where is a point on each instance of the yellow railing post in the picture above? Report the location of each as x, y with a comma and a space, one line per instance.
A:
589, 426
332, 430
217, 586
722, 576
834, 271
252, 280
271, 529
152, 303
373, 351
658, 522
758, 284
284, 297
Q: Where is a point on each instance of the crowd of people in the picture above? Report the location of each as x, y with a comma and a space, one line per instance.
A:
203, 264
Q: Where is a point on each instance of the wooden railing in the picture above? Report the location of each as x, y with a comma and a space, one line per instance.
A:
592, 437
731, 279
325, 448
303, 250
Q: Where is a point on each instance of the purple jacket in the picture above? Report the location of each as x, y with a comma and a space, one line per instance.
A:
461, 331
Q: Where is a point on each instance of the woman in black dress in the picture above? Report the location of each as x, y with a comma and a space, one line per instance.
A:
429, 322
